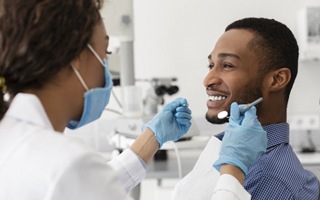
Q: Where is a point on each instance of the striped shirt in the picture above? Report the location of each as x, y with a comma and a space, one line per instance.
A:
278, 173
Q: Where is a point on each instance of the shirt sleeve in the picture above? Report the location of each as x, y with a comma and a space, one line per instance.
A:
229, 188
130, 169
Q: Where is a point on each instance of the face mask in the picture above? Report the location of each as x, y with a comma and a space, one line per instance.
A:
96, 99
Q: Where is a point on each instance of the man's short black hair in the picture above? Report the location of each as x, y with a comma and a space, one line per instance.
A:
275, 42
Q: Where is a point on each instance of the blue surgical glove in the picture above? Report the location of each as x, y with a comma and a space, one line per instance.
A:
172, 122
244, 140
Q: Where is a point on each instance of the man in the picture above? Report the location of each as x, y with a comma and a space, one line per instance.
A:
254, 57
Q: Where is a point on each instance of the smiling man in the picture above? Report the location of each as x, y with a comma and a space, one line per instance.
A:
254, 57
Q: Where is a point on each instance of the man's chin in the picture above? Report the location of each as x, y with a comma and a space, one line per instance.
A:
216, 120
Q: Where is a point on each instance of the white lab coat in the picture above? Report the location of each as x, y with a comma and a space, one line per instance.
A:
38, 163
204, 182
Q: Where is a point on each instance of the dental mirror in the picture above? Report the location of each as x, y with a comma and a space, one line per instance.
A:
223, 114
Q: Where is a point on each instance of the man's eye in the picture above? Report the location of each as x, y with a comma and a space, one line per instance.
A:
227, 65
210, 66
108, 52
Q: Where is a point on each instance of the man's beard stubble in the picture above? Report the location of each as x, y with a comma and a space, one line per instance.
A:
247, 96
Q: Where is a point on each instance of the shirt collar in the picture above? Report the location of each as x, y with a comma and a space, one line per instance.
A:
28, 108
276, 134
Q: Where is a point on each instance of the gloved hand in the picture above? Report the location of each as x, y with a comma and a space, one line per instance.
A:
172, 122
244, 140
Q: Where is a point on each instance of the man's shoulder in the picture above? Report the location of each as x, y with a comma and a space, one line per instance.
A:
280, 160
279, 169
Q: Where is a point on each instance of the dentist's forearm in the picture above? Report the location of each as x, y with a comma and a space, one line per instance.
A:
234, 171
146, 145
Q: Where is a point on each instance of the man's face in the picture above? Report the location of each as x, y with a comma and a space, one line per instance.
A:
234, 74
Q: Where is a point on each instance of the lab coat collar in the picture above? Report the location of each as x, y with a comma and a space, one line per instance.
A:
28, 108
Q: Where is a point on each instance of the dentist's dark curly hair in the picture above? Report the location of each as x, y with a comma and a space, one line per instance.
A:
275, 42
40, 37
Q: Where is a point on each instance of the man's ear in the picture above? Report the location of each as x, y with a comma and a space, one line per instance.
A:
278, 79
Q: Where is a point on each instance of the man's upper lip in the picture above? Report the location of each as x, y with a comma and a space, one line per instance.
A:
212, 90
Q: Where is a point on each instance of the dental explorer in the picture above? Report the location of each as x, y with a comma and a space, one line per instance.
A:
224, 114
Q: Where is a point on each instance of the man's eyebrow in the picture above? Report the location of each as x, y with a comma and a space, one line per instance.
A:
223, 55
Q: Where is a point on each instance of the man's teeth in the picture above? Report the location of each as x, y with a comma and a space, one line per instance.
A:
216, 98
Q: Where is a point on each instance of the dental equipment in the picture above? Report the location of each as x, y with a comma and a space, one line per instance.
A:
224, 114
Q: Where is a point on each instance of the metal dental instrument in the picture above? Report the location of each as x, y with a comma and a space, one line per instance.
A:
224, 114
